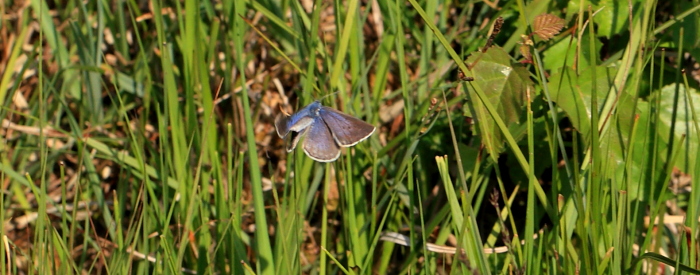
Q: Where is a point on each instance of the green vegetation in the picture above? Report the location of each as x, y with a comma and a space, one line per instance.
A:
139, 137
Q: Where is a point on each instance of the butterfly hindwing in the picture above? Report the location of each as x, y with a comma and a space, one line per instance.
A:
346, 130
295, 139
319, 144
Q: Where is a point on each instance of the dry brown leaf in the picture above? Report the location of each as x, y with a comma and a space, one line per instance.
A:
547, 26
525, 51
525, 47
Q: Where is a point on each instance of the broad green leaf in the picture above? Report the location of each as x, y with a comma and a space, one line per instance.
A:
614, 146
612, 19
504, 83
615, 143
572, 93
684, 124
563, 54
688, 27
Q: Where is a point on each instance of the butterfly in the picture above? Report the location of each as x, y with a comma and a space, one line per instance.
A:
324, 129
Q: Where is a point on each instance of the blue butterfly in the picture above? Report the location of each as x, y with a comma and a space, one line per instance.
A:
325, 130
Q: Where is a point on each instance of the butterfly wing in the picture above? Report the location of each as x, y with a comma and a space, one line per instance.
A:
297, 121
285, 124
346, 130
282, 125
319, 144
295, 139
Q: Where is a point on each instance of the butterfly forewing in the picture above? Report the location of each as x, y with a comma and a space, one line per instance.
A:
346, 130
319, 144
282, 125
296, 123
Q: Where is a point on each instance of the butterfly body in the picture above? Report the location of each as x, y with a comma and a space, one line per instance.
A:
325, 130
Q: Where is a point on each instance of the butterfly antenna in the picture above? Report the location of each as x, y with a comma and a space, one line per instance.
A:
323, 97
283, 111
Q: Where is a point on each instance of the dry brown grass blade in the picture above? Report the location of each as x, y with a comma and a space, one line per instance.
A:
405, 241
31, 130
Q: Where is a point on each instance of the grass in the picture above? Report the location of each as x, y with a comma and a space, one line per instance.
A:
143, 142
